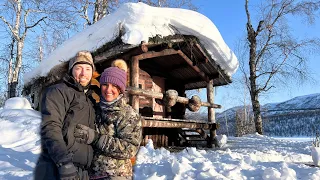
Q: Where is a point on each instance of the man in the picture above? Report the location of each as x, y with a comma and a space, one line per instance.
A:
63, 106
118, 132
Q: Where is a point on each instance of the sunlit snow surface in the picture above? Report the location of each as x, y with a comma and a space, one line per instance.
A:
249, 157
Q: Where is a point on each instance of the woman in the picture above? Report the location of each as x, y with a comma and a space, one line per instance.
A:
118, 131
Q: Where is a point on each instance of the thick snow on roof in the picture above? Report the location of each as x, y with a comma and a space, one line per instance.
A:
139, 22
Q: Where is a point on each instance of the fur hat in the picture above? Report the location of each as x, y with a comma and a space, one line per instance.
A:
116, 74
82, 57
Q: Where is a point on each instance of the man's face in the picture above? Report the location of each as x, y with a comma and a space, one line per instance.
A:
82, 73
110, 92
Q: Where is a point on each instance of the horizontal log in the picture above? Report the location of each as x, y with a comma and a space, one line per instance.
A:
196, 139
157, 95
176, 124
172, 119
192, 135
142, 92
153, 54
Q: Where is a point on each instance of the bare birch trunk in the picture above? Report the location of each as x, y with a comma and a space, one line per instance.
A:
10, 71
257, 112
100, 10
13, 83
254, 92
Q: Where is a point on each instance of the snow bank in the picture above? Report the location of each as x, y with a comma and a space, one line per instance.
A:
20, 126
17, 103
252, 156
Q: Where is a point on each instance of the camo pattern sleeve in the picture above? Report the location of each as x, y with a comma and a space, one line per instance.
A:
123, 136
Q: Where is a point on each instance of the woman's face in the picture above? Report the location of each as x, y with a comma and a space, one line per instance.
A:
110, 92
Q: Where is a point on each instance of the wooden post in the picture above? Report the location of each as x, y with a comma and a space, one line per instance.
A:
168, 112
211, 113
135, 82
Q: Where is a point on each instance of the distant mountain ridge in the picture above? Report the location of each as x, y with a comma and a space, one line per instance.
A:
311, 101
299, 116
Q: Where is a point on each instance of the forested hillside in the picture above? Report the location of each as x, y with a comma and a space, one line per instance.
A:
299, 116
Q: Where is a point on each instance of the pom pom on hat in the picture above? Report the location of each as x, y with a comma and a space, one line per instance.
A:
120, 64
116, 74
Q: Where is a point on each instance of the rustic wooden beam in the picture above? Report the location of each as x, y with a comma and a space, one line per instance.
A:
201, 73
135, 82
142, 92
158, 95
210, 98
196, 140
144, 47
202, 51
123, 48
211, 114
176, 124
172, 119
153, 54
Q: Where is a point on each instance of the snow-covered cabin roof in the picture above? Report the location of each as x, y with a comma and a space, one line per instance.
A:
136, 23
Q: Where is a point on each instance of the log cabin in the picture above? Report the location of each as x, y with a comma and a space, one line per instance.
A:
160, 73
161, 70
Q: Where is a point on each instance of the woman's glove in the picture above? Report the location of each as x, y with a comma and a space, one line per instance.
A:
85, 135
68, 172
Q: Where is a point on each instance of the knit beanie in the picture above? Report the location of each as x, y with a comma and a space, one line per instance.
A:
82, 57
116, 74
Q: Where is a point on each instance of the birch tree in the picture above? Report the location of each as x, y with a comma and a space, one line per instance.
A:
18, 27
93, 10
274, 54
22, 19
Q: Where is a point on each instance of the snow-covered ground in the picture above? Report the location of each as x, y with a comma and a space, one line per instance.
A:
250, 157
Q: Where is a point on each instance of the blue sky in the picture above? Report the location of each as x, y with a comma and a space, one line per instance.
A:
229, 17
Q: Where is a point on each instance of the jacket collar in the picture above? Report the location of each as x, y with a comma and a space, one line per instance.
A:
70, 81
117, 105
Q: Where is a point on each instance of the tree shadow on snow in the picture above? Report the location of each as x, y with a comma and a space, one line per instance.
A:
22, 161
144, 171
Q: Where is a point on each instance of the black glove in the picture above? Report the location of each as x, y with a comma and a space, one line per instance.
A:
68, 172
85, 135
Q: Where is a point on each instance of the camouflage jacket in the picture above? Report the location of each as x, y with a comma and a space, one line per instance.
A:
121, 134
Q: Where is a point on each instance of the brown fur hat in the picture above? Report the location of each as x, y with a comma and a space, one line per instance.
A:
82, 57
